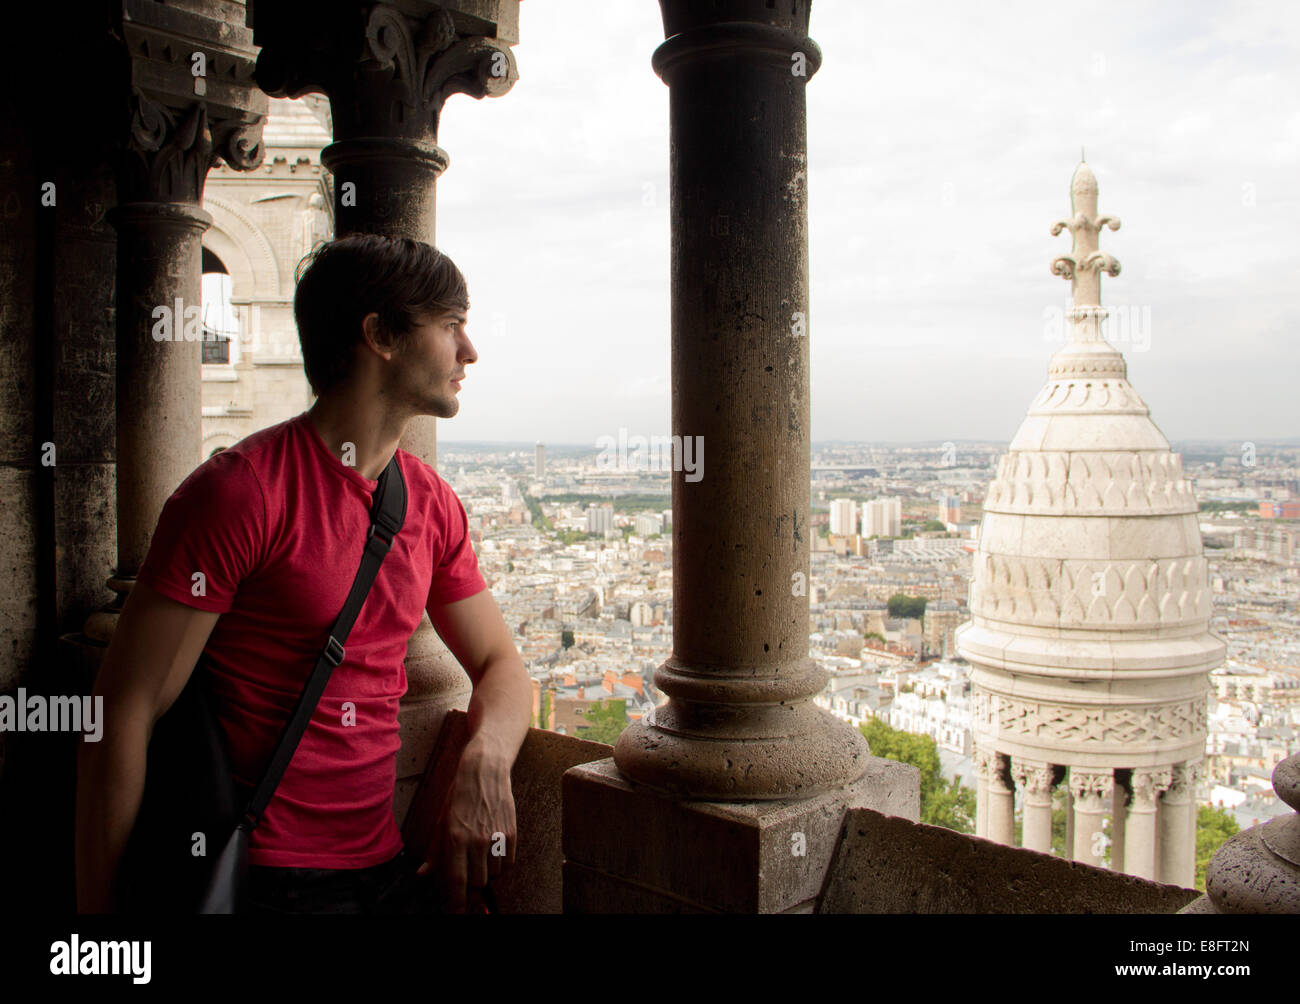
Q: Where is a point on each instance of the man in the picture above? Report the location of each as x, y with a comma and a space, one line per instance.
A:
250, 563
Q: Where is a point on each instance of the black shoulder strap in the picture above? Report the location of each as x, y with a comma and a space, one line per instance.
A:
387, 515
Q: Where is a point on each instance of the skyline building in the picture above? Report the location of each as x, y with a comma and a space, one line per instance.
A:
882, 517
844, 517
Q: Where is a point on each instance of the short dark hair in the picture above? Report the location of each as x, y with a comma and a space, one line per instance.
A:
341, 281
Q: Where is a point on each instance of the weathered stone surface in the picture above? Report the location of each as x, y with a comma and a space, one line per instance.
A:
1258, 871
884, 864
534, 883
734, 857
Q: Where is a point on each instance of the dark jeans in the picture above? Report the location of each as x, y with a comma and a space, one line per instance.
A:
388, 888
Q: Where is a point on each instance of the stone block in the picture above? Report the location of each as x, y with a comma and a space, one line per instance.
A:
885, 864
730, 857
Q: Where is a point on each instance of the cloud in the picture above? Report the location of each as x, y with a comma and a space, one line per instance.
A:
941, 142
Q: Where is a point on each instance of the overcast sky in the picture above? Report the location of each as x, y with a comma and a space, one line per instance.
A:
941, 141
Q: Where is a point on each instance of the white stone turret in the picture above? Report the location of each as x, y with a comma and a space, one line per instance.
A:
1090, 605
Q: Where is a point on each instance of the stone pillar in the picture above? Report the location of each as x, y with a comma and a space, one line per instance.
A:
1069, 822
1118, 822
1035, 781
1140, 829
387, 75
1176, 862
159, 224
1092, 796
1002, 802
983, 763
733, 796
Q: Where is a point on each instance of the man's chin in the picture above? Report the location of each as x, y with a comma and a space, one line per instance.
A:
442, 407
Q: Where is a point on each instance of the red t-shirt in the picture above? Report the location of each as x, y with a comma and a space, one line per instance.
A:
277, 524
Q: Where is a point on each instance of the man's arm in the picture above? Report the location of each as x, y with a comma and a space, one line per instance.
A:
500, 711
153, 651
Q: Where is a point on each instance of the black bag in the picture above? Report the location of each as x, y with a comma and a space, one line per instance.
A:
190, 793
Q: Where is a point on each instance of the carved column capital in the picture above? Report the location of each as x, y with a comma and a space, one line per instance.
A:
1182, 781
386, 71
1147, 786
169, 149
982, 760
1091, 789
1033, 777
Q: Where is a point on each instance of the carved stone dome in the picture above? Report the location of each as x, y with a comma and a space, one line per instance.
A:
1090, 602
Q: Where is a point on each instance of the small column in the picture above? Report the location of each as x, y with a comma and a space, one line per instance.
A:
983, 763
1035, 781
400, 64
1118, 824
1176, 862
1092, 796
1069, 822
1140, 829
1002, 802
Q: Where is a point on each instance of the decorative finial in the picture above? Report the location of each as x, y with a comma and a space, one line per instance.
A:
1082, 158
1085, 263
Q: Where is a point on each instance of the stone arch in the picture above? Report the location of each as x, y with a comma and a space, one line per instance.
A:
214, 441
244, 249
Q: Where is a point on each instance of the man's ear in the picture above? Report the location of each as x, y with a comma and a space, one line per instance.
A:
372, 331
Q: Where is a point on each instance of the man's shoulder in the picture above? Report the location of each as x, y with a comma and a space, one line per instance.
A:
423, 474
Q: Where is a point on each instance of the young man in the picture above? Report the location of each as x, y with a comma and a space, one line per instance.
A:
250, 563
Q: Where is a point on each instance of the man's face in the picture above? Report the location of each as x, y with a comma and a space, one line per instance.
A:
433, 363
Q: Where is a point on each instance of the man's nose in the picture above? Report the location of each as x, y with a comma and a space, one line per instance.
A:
467, 353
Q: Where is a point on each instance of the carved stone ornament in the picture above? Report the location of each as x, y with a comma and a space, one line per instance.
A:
170, 150
1148, 785
1091, 785
1032, 777
1100, 725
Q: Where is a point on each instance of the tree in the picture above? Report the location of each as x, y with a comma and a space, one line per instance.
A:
566, 638
932, 524
544, 711
902, 605
876, 635
606, 721
944, 802
1214, 825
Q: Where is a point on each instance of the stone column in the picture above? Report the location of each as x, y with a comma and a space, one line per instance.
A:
1069, 822
1002, 802
1035, 780
1176, 862
387, 74
1092, 795
740, 726
1118, 823
159, 224
983, 763
740, 723
1140, 829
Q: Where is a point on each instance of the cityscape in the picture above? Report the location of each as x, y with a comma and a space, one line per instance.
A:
579, 559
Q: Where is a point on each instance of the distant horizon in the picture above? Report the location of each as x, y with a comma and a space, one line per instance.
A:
1232, 444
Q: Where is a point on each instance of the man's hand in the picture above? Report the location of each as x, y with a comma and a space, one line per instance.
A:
475, 838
